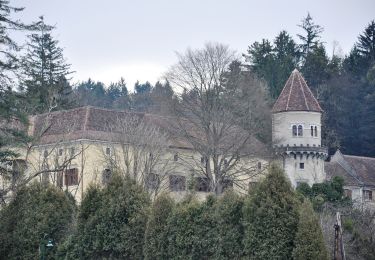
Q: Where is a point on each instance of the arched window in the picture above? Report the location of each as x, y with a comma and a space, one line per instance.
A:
312, 130
294, 130
316, 131
300, 130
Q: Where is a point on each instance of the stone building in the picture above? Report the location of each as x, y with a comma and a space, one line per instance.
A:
296, 132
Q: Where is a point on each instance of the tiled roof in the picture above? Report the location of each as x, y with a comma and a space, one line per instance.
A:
356, 170
296, 96
100, 124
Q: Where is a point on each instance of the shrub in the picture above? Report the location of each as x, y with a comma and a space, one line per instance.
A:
37, 210
156, 237
191, 230
112, 221
309, 242
271, 218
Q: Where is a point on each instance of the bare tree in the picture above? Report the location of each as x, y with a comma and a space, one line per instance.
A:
36, 161
144, 152
221, 114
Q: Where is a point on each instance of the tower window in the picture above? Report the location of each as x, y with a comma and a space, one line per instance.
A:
316, 131
312, 130
294, 130
302, 165
300, 130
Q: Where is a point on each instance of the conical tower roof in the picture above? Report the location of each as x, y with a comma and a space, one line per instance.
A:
296, 96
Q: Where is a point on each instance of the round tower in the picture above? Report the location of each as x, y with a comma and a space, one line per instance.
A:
296, 132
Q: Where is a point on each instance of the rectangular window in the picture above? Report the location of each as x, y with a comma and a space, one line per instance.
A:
302, 166
72, 151
348, 193
71, 177
227, 184
367, 195
61, 151
152, 181
106, 176
175, 157
59, 179
252, 185
108, 151
202, 184
177, 183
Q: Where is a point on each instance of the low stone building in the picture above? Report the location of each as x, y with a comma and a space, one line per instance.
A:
359, 177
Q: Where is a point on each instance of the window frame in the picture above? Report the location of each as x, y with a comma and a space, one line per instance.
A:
301, 164
71, 177
367, 198
177, 183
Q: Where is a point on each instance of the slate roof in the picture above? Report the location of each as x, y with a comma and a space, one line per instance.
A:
356, 170
296, 96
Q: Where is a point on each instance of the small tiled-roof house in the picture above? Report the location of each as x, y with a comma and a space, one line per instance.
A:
358, 173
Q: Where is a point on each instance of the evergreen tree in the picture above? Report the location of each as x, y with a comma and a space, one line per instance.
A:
44, 71
156, 237
35, 211
228, 225
12, 117
123, 100
309, 242
141, 99
191, 230
314, 69
311, 38
286, 60
92, 93
366, 43
112, 222
271, 218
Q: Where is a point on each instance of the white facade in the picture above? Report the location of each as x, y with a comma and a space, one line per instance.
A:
297, 139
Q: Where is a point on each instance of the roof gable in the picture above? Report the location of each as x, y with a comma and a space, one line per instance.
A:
296, 96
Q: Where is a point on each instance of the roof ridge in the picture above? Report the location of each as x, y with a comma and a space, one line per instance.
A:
290, 91
286, 83
312, 94
303, 92
360, 157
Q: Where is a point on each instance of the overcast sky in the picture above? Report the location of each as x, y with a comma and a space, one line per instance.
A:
137, 39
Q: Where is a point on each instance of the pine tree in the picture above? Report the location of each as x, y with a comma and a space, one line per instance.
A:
271, 218
44, 71
156, 237
309, 241
311, 39
12, 117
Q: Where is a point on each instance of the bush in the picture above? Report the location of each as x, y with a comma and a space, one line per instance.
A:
271, 218
191, 230
156, 237
309, 242
35, 211
112, 222
229, 227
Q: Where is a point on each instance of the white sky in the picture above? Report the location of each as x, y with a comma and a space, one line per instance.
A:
137, 39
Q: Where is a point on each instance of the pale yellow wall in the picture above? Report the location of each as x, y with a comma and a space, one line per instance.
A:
90, 160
